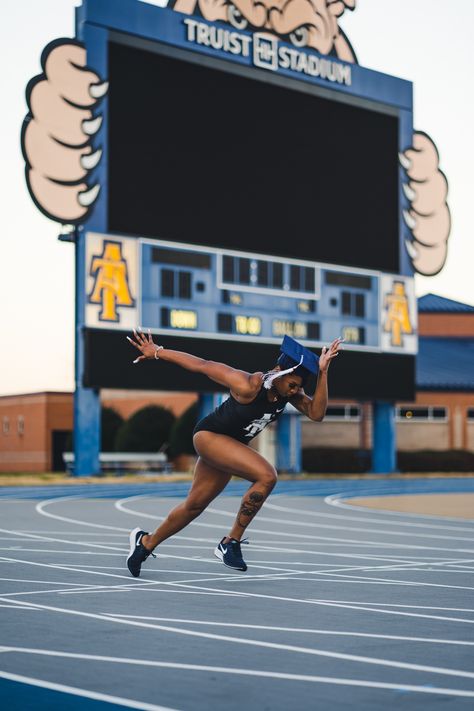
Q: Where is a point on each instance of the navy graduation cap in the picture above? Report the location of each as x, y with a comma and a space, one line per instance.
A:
294, 358
294, 354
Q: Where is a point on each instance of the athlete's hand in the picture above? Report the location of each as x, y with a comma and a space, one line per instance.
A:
58, 130
328, 354
145, 345
428, 217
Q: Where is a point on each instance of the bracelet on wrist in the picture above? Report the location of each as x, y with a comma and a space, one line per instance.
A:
157, 350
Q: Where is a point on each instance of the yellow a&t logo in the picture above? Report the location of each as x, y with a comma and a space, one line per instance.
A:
398, 314
111, 288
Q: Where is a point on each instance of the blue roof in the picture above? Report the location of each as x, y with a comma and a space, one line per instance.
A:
445, 364
432, 303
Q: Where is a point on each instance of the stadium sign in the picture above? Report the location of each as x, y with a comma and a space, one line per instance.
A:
266, 52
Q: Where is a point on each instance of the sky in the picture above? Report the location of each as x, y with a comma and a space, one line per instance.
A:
428, 42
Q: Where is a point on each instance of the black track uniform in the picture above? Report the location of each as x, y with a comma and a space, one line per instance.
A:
242, 422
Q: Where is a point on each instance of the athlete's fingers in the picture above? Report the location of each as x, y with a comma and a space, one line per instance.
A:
150, 339
137, 360
133, 342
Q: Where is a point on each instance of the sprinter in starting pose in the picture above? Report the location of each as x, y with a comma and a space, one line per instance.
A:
221, 438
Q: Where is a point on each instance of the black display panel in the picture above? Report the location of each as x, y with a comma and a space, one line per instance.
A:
208, 157
355, 375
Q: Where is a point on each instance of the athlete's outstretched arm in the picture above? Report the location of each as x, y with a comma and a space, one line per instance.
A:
239, 381
315, 407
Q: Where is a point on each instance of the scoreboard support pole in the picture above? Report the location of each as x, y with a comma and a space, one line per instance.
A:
384, 446
87, 425
208, 402
289, 443
87, 408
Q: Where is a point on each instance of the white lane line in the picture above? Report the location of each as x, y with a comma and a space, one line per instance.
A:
40, 506
339, 681
390, 580
106, 547
314, 602
339, 501
357, 529
302, 630
200, 588
14, 607
42, 582
332, 573
377, 544
345, 517
395, 612
164, 555
134, 584
392, 604
40, 509
266, 645
74, 690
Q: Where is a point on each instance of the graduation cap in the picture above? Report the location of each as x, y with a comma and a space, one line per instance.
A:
294, 358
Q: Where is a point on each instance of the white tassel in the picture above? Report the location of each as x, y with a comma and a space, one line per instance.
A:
270, 377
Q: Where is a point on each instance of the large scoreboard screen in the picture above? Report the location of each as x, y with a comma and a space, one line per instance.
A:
243, 204
208, 157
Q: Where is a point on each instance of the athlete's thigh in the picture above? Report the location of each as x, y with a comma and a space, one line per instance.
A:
208, 482
230, 455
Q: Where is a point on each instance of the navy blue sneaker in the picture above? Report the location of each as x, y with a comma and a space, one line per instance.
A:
138, 553
230, 554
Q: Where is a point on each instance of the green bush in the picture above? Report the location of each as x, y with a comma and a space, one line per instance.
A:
181, 436
147, 430
450, 460
110, 422
357, 461
319, 460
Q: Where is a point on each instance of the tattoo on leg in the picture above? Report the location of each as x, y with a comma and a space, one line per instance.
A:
250, 507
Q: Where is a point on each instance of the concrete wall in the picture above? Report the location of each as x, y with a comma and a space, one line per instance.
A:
330, 434
422, 435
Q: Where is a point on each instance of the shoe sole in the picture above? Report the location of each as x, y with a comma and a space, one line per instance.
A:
219, 554
132, 539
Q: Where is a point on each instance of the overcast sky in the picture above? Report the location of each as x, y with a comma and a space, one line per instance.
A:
428, 42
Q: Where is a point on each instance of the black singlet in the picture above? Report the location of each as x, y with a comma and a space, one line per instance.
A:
242, 422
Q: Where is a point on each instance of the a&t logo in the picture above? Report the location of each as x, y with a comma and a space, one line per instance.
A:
397, 320
111, 288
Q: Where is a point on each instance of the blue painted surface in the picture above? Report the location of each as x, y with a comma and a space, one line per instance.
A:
289, 452
313, 487
384, 447
167, 26
87, 409
87, 430
435, 304
17, 695
445, 364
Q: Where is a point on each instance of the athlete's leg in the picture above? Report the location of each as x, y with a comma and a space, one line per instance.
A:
208, 483
236, 458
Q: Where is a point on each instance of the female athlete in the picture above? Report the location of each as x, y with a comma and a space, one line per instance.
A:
221, 438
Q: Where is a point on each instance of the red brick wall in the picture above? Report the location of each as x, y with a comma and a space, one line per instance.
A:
446, 325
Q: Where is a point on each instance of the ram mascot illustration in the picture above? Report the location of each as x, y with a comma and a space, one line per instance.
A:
59, 129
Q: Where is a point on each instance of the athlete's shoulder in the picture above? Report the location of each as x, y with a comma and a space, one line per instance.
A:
248, 389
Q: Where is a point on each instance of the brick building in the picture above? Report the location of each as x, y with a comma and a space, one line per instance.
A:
35, 426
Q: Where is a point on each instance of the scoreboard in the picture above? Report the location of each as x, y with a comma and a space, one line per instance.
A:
244, 196
185, 290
